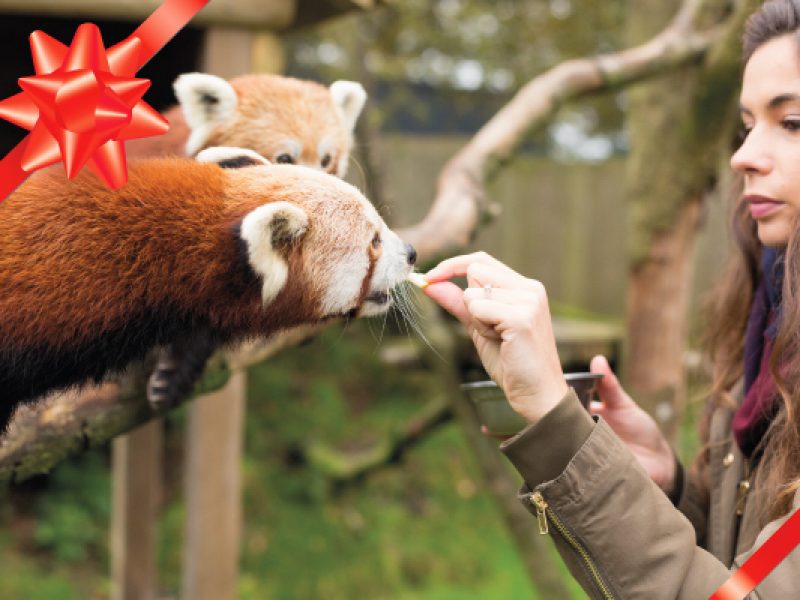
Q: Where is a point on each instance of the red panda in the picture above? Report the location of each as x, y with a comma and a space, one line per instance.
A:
94, 279
285, 120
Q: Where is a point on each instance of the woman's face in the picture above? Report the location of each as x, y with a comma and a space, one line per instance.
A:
769, 157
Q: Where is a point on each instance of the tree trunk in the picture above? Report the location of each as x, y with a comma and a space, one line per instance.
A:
677, 143
657, 320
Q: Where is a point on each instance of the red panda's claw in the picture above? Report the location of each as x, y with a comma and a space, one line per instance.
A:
178, 368
158, 391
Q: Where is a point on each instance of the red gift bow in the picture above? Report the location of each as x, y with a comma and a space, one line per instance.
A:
762, 561
84, 102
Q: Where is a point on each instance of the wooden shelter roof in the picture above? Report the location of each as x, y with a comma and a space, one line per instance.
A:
276, 15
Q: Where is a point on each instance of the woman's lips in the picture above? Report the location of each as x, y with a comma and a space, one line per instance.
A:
762, 206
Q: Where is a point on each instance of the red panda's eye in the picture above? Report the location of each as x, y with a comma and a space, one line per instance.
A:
285, 159
326, 160
376, 241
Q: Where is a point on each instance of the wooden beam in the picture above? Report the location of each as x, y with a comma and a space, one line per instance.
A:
260, 14
275, 15
213, 492
136, 497
314, 11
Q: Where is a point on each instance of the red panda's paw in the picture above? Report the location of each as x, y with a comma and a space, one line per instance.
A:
161, 392
177, 370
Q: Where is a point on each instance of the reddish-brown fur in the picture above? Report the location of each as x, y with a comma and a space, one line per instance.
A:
271, 109
77, 259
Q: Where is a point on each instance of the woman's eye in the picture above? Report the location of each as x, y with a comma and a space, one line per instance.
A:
376, 241
791, 124
326, 160
285, 159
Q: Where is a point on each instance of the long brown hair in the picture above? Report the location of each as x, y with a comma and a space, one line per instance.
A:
730, 306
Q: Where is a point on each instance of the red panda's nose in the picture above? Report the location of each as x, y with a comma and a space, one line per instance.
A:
412, 254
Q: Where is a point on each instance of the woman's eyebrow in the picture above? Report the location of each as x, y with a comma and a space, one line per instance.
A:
782, 99
776, 102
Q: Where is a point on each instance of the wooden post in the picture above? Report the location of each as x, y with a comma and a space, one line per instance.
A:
216, 421
136, 496
213, 493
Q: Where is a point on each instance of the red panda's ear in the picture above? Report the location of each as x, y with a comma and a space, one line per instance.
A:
229, 157
265, 230
349, 97
206, 101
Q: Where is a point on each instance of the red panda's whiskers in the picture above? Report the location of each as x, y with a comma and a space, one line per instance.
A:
409, 312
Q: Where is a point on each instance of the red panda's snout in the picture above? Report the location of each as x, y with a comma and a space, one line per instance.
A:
395, 262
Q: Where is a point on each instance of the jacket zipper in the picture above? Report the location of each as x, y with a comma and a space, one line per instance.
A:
743, 488
545, 512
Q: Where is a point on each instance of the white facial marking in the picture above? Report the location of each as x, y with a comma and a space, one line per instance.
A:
291, 147
257, 230
345, 283
392, 266
217, 154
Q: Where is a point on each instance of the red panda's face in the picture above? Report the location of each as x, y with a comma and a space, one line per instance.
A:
285, 120
349, 260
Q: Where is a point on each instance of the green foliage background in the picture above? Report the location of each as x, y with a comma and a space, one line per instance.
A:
423, 528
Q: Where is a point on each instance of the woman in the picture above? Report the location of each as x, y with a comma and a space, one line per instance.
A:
591, 483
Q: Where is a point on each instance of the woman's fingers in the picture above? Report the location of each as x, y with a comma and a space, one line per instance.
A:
503, 286
457, 266
479, 268
501, 295
608, 388
450, 297
498, 299
596, 408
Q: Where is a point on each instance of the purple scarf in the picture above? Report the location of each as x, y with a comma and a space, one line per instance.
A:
753, 417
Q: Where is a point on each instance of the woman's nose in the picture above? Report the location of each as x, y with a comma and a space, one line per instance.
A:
411, 254
752, 156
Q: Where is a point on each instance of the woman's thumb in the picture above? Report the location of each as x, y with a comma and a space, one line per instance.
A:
609, 390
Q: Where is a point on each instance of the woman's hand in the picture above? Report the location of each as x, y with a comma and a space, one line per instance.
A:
633, 426
508, 319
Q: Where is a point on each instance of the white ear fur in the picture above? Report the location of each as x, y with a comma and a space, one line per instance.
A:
206, 100
262, 229
349, 97
231, 157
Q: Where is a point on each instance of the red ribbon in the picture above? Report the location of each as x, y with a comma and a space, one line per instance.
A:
763, 560
84, 101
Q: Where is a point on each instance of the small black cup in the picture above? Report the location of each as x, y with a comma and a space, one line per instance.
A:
498, 416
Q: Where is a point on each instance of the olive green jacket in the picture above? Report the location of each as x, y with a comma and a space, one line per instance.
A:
619, 533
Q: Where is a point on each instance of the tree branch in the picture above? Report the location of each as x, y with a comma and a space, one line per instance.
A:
348, 466
46, 432
460, 201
